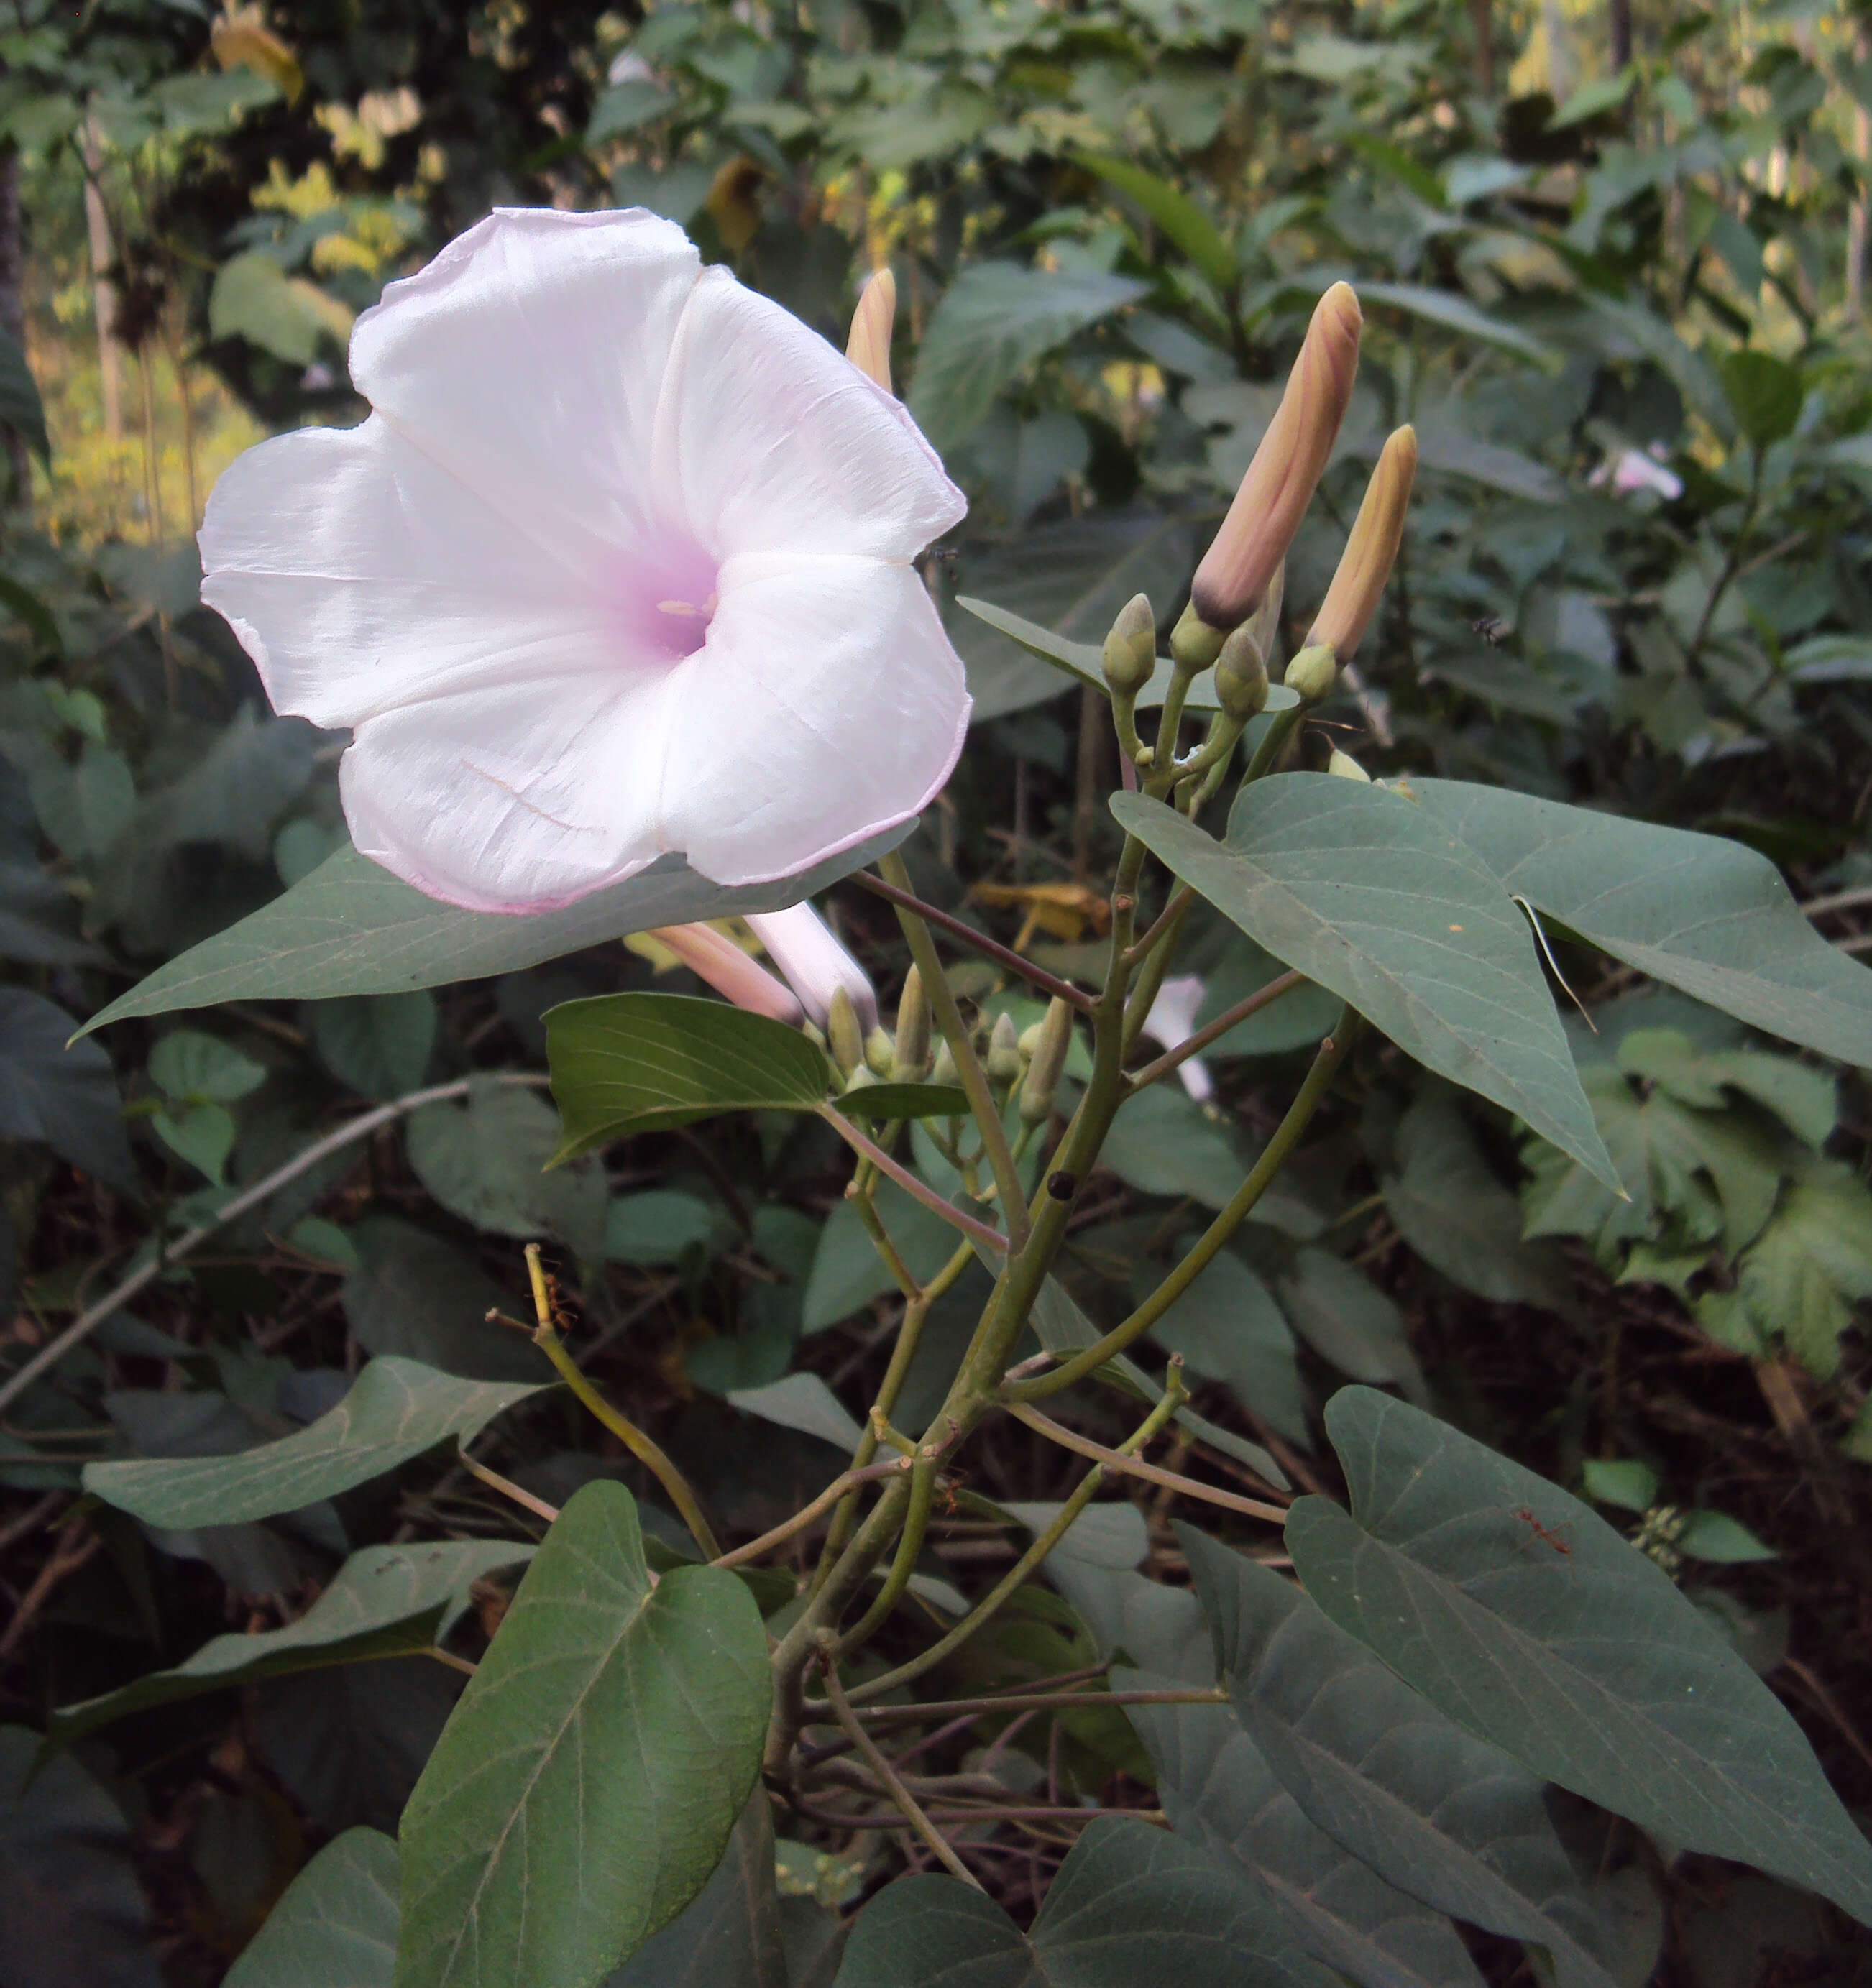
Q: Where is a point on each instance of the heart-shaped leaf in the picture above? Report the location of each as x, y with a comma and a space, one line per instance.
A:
1365, 894
336, 1923
1520, 1615
587, 1784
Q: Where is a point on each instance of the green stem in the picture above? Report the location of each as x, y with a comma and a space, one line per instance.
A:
909, 1546
912, 1184
1273, 742
1332, 1052
973, 1078
1157, 966
873, 1223
1252, 1004
997, 1596
648, 1452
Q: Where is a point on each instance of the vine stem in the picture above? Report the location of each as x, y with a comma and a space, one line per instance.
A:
1133, 1466
868, 1148
1251, 1004
991, 949
361, 1127
1333, 1052
974, 1079
846, 1481
892, 1782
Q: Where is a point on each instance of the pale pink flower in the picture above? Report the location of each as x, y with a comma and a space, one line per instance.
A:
1635, 469
1171, 1022
714, 956
619, 565
805, 949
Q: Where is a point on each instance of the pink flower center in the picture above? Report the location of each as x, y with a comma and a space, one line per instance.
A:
665, 597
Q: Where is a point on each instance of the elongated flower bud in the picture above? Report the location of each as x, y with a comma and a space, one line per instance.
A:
1053, 1039
1004, 1058
1194, 644
1346, 767
1261, 521
843, 1033
802, 945
712, 956
943, 1069
1130, 652
1311, 672
911, 1054
868, 348
1241, 676
880, 1053
1365, 564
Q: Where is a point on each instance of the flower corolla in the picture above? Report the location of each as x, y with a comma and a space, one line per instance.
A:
807, 951
1171, 1022
1632, 470
620, 565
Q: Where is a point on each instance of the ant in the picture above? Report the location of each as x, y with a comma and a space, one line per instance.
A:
1541, 1532
1492, 628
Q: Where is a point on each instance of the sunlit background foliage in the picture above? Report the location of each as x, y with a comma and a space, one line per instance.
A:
1612, 254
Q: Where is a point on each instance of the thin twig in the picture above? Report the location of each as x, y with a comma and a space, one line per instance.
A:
507, 1488
1003, 955
1133, 1466
848, 1481
65, 1559
1838, 901
893, 1782
1038, 1701
87, 1322
991, 1239
1251, 1004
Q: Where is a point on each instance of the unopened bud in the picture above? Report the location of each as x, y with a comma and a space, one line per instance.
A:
1241, 677
943, 1069
1238, 568
911, 1054
1003, 1057
1053, 1038
1365, 564
1346, 767
861, 1078
1194, 644
1130, 652
1311, 672
868, 348
843, 1033
880, 1052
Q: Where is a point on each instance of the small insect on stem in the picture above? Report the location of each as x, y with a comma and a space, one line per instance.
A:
1541, 1532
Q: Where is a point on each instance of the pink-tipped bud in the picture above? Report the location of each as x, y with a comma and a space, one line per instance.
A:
1365, 564
1261, 522
868, 348
801, 944
712, 956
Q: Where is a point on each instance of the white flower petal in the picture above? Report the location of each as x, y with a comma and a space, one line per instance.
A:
807, 952
778, 442
827, 705
528, 358
516, 797
358, 575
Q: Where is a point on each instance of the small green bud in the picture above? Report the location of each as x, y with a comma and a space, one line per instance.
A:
1130, 652
911, 1058
880, 1052
843, 1031
863, 1078
1004, 1059
1241, 677
943, 1070
1053, 1039
1312, 672
1194, 645
1346, 767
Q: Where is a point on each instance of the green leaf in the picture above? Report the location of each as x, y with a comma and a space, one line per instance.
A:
1457, 313
20, 408
801, 1401
1362, 893
396, 1410
72, 1913
485, 1160
847, 1272
655, 1226
1811, 1263
351, 928
642, 1062
335, 1925
1715, 1537
730, 1935
415, 1295
1131, 1907
1160, 1143
992, 322
1623, 1481
1348, 1320
1587, 1666
64, 1096
587, 1784
1173, 210
379, 1044
904, 1101
254, 299
197, 1069
1450, 1208
1219, 1792
1228, 1328
1446, 1818
1765, 393
385, 1601
1697, 912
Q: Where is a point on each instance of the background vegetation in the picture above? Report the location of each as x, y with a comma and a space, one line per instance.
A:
1613, 260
